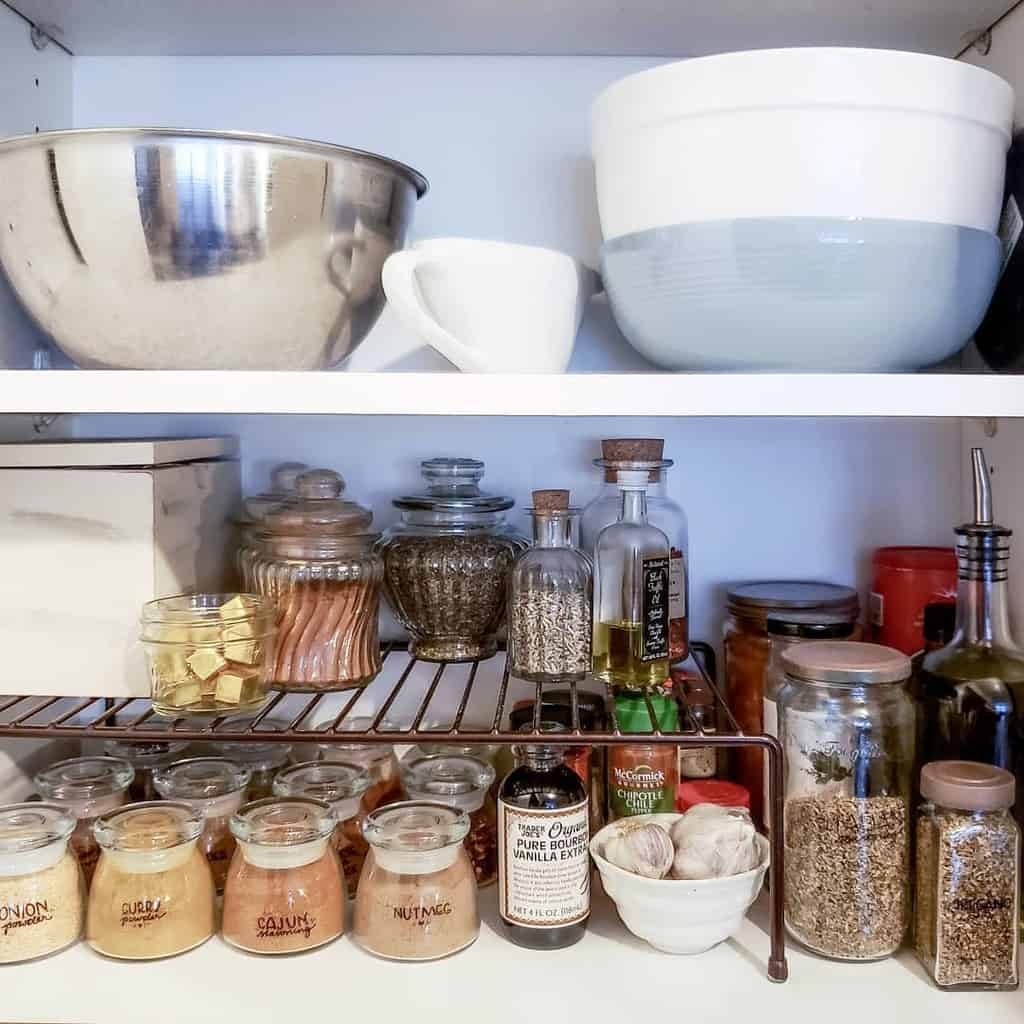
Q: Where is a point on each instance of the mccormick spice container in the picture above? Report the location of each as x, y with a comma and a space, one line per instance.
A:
543, 855
846, 725
41, 889
968, 876
464, 783
905, 580
86, 787
284, 892
315, 560
213, 787
152, 895
747, 647
446, 566
550, 591
643, 777
623, 455
343, 787
417, 894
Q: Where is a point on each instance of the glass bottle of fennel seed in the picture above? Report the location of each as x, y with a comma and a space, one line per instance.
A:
543, 849
549, 591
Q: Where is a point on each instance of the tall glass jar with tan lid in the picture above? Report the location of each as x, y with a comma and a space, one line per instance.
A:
315, 560
846, 725
152, 895
747, 650
86, 787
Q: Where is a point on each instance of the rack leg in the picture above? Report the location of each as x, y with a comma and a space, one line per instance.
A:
778, 969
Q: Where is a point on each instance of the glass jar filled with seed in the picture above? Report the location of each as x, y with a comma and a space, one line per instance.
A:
550, 591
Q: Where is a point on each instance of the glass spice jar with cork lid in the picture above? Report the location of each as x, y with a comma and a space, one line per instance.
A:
550, 591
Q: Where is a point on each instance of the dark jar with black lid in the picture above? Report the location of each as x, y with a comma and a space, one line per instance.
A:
543, 849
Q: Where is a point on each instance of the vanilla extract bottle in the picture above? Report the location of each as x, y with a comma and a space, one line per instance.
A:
543, 855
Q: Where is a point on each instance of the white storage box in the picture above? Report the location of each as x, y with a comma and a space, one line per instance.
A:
89, 531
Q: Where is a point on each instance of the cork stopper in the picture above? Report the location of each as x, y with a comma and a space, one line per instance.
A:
551, 501
633, 449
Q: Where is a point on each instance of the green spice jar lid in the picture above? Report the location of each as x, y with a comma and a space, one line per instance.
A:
968, 785
634, 716
845, 662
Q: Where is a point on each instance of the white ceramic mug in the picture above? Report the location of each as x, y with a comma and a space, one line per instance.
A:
491, 307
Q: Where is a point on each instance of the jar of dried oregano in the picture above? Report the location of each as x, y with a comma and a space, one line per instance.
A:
968, 876
846, 724
550, 591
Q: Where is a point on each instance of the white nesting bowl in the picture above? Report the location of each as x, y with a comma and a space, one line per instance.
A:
676, 916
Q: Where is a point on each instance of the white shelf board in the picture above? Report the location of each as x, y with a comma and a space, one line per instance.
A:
641, 27
454, 394
608, 976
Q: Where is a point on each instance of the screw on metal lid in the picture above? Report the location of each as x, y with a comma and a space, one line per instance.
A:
283, 821
457, 780
81, 780
200, 778
792, 595
155, 825
415, 826
845, 662
330, 781
32, 826
810, 625
968, 785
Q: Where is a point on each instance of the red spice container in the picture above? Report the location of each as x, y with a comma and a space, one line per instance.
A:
711, 791
905, 579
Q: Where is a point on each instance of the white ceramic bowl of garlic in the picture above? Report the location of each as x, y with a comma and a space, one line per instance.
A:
684, 916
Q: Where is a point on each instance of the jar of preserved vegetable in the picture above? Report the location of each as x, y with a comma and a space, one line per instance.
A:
846, 725
213, 787
316, 562
446, 566
550, 591
747, 648
623, 455
86, 787
342, 786
464, 783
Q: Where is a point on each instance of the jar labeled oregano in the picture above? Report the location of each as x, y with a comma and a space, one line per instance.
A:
968, 876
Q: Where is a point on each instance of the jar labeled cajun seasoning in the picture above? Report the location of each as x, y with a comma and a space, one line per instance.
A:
284, 892
343, 787
464, 783
86, 787
417, 896
643, 777
314, 558
41, 890
213, 787
747, 648
152, 894
446, 566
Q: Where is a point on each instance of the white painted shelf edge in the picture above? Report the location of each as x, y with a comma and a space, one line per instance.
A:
454, 394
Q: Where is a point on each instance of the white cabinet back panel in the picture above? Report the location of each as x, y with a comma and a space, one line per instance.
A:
766, 499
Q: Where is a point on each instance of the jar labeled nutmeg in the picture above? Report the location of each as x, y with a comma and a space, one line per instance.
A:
152, 895
343, 787
464, 783
41, 891
213, 787
86, 787
417, 896
284, 891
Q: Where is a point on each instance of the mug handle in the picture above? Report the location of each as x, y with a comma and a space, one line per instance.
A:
402, 289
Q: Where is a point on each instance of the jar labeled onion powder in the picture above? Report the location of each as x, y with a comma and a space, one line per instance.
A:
152, 894
41, 891
284, 892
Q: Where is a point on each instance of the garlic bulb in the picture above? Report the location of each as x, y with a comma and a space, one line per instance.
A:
645, 850
714, 842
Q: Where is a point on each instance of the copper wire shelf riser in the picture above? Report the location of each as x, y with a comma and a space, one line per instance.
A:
102, 721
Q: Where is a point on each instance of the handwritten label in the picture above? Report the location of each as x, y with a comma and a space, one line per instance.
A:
654, 635
278, 926
24, 915
141, 913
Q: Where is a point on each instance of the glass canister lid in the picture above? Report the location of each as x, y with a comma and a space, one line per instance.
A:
416, 826
353, 751
257, 757
32, 826
318, 509
845, 662
201, 780
458, 781
283, 821
151, 826
146, 754
82, 783
283, 483
453, 487
337, 783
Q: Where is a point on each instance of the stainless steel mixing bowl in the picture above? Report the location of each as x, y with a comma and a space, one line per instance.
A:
152, 248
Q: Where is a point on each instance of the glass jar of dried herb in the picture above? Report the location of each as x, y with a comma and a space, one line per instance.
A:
968, 876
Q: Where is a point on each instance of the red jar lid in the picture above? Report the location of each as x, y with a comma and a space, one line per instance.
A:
711, 791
